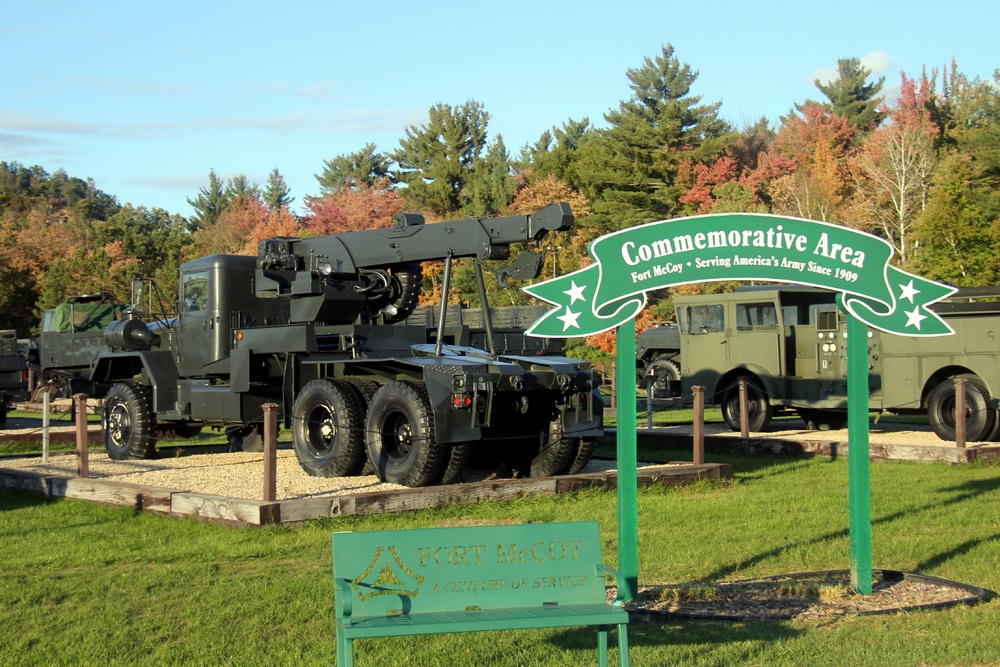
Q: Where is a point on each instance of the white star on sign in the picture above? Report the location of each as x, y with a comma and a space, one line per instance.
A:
908, 293
575, 293
570, 319
913, 318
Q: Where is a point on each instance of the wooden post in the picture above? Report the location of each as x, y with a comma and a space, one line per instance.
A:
614, 385
270, 451
46, 408
698, 456
744, 409
82, 451
960, 407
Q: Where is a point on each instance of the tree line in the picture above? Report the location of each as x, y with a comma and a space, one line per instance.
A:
921, 171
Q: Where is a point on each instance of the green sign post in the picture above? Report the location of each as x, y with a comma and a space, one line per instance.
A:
628, 264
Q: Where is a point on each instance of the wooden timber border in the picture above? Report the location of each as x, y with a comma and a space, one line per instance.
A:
242, 512
761, 444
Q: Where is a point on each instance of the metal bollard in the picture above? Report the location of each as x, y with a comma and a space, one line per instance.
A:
270, 451
82, 450
960, 407
698, 455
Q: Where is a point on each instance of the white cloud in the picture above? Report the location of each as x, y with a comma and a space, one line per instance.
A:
879, 62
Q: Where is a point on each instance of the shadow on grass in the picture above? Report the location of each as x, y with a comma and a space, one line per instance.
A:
680, 632
964, 492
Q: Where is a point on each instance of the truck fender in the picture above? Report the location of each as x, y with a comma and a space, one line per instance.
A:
770, 383
158, 366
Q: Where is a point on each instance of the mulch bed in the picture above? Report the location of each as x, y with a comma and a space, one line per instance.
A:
803, 595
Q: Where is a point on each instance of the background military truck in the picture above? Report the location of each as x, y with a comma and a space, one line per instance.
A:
13, 371
71, 338
789, 343
316, 326
658, 359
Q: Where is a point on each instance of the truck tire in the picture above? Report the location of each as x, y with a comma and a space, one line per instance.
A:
458, 457
979, 414
759, 410
365, 389
823, 420
248, 438
410, 278
400, 435
556, 454
127, 422
326, 429
584, 452
664, 370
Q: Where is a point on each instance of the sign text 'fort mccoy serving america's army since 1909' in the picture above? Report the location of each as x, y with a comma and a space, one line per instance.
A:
731, 247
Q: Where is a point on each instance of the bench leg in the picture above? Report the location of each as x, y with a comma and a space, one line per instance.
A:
623, 645
345, 651
602, 646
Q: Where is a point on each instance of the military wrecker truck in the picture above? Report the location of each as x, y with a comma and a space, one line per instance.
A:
315, 326
789, 344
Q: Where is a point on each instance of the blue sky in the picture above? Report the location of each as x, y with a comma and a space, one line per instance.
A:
146, 98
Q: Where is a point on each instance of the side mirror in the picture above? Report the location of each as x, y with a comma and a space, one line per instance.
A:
137, 295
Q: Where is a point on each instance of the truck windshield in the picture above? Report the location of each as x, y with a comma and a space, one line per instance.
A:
701, 319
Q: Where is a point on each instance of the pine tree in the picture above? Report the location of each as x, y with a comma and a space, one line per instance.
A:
436, 160
209, 204
275, 195
491, 183
852, 97
631, 169
363, 168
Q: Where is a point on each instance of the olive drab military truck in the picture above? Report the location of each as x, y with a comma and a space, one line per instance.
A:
317, 326
13, 371
72, 336
789, 344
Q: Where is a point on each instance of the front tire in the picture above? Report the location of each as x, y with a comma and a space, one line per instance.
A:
400, 435
666, 372
127, 422
979, 414
326, 429
759, 411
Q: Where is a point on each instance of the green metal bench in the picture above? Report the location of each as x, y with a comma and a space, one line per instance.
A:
440, 580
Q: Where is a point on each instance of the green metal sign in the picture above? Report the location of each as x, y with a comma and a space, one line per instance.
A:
738, 246
610, 292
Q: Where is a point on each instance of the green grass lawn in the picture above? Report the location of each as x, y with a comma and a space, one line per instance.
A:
94, 585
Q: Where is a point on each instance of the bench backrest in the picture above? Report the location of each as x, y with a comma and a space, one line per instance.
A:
477, 567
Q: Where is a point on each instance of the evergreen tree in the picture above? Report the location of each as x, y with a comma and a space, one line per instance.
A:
435, 160
955, 239
491, 184
209, 204
275, 195
240, 187
851, 96
554, 154
363, 168
631, 169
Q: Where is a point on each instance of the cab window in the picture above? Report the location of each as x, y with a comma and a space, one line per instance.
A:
701, 319
194, 289
750, 316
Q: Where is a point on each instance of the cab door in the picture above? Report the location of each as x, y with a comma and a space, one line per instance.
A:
704, 345
756, 342
195, 323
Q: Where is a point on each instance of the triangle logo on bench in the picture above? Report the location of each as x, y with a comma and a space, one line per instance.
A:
392, 578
